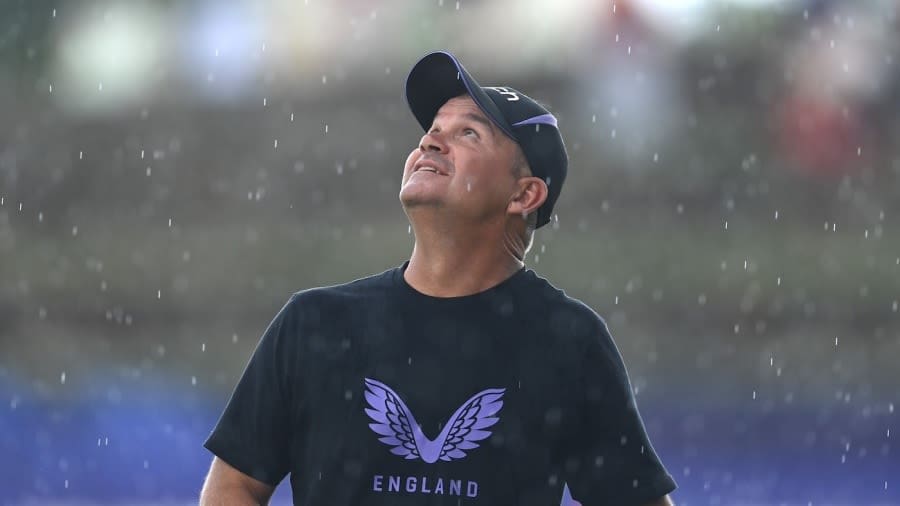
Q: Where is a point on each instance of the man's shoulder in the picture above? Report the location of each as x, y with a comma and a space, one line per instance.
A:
564, 311
369, 286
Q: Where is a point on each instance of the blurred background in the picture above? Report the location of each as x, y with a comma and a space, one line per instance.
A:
170, 172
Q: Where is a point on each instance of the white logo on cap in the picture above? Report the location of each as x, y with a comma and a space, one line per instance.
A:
511, 96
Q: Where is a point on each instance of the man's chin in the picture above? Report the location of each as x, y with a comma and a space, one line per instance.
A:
414, 204
412, 199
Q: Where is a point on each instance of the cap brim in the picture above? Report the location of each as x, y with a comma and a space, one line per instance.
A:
437, 78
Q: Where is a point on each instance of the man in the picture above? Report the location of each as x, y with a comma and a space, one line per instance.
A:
352, 389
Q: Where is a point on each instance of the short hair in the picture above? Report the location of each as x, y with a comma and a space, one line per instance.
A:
521, 168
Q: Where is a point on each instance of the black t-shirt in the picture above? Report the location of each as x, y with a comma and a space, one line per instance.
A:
371, 393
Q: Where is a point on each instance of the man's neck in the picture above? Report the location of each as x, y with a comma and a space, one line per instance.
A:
447, 264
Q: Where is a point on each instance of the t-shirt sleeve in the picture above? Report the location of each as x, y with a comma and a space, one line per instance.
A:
611, 460
253, 434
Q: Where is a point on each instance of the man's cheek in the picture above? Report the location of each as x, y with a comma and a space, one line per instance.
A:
410, 160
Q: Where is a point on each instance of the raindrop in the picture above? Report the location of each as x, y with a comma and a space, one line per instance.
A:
265, 101
754, 395
276, 144
468, 186
53, 16
148, 171
62, 378
409, 361
51, 88
776, 214
655, 157
40, 217
81, 155
74, 231
594, 118
326, 128
203, 347
292, 117
835, 341
324, 79
457, 5
726, 225
234, 338
409, 229
629, 49
193, 381
170, 222
778, 281
159, 294
100, 86
617, 300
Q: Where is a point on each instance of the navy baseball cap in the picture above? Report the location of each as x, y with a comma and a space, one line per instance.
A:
439, 76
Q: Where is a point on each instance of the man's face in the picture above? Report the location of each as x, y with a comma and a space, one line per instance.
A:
463, 164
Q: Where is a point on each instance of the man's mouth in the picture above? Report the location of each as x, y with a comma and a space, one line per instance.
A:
427, 167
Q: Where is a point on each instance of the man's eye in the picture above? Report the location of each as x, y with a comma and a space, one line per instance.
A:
470, 131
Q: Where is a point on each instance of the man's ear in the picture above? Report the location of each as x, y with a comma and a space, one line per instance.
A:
531, 192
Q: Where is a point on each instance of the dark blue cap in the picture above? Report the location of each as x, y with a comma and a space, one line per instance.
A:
439, 76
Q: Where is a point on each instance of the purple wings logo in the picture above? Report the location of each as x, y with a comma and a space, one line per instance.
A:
399, 429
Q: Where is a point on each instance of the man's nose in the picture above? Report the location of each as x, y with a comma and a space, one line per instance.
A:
434, 142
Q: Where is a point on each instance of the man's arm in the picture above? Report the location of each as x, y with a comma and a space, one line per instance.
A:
662, 501
226, 486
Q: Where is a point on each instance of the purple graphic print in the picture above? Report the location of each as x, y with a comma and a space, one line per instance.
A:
395, 422
567, 499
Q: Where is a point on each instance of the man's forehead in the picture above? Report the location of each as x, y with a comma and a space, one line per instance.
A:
464, 103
